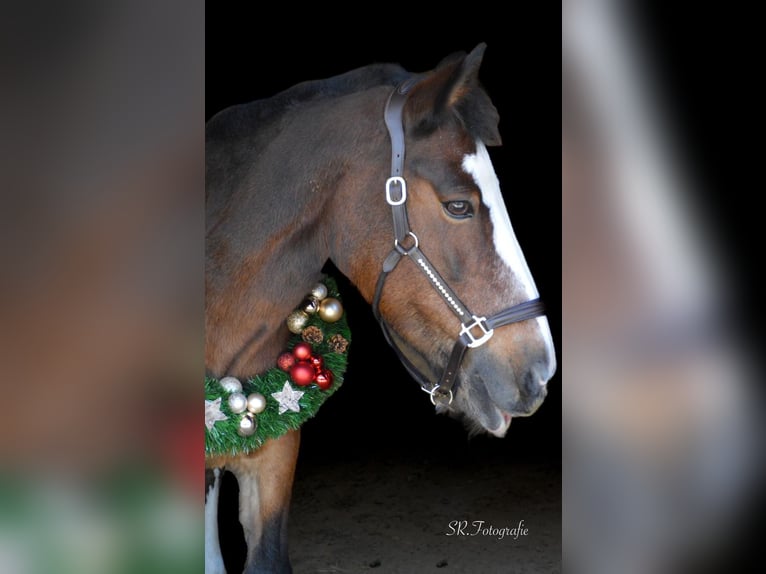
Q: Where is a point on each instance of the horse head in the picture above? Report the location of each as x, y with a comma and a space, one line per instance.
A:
456, 217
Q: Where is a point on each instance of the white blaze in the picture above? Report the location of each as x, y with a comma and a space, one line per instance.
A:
479, 166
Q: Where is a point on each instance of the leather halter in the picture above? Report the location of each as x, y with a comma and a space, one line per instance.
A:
475, 330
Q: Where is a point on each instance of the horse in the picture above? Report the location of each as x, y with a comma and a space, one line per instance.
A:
315, 174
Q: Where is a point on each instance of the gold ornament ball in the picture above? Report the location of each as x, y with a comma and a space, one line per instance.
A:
237, 403
230, 384
256, 403
319, 291
310, 305
330, 310
296, 321
247, 426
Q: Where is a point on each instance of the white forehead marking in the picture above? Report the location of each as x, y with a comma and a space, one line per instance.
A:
479, 166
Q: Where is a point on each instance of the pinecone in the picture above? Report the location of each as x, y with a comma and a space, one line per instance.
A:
338, 343
312, 335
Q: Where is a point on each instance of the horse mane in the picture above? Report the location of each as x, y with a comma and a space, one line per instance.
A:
262, 112
475, 111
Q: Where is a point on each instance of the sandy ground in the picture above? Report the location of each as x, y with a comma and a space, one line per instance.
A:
390, 510
392, 516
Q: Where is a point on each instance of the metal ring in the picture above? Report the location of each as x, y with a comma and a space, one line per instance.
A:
433, 400
404, 251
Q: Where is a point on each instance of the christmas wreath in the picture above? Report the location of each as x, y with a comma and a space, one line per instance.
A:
241, 415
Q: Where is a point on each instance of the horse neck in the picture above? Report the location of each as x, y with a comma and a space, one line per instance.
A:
281, 250
249, 295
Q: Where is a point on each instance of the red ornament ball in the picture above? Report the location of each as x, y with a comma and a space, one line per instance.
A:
302, 373
317, 363
324, 379
302, 351
285, 361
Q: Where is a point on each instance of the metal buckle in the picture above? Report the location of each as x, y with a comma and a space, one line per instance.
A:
392, 180
433, 391
477, 322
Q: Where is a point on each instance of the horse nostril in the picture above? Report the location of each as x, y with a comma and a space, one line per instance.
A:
543, 375
534, 383
544, 368
543, 358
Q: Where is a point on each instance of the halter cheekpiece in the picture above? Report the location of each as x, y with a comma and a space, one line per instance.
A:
475, 330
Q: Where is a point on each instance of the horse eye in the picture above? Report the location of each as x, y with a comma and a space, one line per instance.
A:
459, 209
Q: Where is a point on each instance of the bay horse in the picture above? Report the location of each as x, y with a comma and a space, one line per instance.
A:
314, 174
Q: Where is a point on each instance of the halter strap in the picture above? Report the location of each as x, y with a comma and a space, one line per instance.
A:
396, 187
475, 330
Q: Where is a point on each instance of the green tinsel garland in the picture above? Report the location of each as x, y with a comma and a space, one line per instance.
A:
223, 438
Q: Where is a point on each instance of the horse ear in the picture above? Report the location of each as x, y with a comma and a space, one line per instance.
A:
452, 89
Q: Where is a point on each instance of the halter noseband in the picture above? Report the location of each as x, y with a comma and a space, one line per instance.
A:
475, 330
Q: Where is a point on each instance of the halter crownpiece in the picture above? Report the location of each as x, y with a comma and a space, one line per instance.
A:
475, 330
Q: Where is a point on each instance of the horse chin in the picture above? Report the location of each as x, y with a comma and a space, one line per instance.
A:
489, 407
482, 418
495, 423
504, 425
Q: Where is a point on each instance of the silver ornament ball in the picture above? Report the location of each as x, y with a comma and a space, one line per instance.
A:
256, 403
330, 310
247, 426
237, 403
319, 291
230, 384
296, 321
